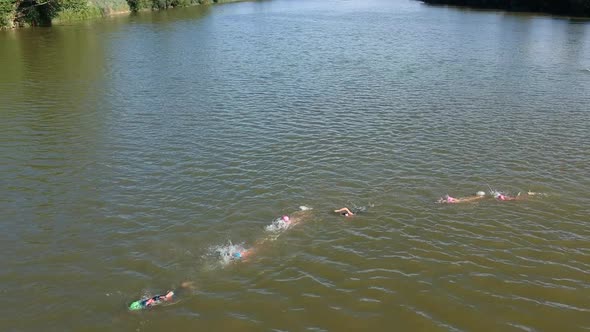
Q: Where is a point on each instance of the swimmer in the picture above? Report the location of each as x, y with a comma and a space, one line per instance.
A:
156, 300
231, 253
238, 253
346, 212
235, 253
275, 229
287, 221
297, 216
151, 302
241, 254
452, 200
505, 197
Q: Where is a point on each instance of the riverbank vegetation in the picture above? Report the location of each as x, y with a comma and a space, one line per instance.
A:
560, 7
18, 13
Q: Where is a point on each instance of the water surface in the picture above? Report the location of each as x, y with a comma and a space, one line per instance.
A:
131, 147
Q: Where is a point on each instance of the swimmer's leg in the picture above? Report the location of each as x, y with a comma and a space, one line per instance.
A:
188, 284
532, 193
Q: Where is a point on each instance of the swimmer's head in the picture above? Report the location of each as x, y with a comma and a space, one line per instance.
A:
480, 194
135, 306
285, 218
237, 254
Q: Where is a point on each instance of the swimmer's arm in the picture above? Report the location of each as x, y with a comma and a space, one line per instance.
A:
344, 209
165, 297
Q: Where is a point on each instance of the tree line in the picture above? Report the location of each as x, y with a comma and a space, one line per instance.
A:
17, 13
559, 7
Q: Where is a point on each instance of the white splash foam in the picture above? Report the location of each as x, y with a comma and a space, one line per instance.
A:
226, 253
278, 225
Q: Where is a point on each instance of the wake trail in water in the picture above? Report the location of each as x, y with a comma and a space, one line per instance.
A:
220, 256
497, 193
285, 222
278, 225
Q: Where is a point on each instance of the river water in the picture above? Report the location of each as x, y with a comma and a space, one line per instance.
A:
135, 147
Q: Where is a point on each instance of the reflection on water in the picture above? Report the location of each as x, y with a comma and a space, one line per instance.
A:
139, 150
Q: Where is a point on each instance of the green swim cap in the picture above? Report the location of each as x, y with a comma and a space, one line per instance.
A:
135, 306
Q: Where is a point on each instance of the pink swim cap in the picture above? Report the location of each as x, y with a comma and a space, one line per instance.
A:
286, 218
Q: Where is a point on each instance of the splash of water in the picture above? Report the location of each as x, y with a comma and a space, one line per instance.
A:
533, 193
227, 253
283, 223
495, 193
278, 225
361, 208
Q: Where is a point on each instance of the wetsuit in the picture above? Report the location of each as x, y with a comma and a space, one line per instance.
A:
151, 302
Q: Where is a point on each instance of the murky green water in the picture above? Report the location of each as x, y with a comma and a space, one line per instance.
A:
131, 148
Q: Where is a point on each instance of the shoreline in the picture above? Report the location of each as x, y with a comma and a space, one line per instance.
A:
13, 20
565, 10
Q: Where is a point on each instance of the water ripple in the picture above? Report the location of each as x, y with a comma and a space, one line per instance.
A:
132, 147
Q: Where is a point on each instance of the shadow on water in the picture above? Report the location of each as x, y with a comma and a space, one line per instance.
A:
512, 8
170, 16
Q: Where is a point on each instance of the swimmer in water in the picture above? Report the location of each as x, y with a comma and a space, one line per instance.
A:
230, 252
241, 253
287, 221
234, 253
276, 228
346, 212
505, 197
157, 299
452, 200
298, 216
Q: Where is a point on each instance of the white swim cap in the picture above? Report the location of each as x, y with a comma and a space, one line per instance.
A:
480, 193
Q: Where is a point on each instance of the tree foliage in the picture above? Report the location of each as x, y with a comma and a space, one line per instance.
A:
6, 12
136, 5
37, 12
561, 7
43, 12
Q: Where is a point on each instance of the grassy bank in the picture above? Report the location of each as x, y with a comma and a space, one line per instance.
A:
20, 13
